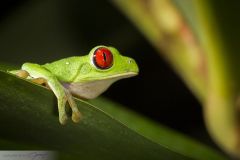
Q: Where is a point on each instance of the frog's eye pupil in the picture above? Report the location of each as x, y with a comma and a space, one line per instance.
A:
103, 58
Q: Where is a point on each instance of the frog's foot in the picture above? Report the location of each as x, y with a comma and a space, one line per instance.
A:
76, 114
40, 81
20, 73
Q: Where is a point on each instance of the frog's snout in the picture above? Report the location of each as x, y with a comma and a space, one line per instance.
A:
132, 66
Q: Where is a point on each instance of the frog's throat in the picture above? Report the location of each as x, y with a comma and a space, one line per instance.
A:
94, 88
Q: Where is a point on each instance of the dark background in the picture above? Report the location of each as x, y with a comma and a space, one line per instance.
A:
47, 30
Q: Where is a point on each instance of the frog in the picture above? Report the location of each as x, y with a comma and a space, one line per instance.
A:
85, 77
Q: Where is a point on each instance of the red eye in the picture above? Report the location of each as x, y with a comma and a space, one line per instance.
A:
103, 58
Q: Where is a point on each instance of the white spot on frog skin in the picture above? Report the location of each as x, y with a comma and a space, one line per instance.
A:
129, 61
67, 63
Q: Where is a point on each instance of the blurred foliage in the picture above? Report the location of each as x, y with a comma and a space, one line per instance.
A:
199, 39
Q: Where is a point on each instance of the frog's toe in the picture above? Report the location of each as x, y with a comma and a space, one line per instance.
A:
76, 116
20, 73
63, 119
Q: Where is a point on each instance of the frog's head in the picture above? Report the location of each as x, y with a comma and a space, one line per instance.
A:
103, 63
99, 69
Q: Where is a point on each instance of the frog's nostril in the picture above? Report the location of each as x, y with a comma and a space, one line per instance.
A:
131, 61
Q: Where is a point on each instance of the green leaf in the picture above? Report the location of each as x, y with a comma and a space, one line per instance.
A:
29, 120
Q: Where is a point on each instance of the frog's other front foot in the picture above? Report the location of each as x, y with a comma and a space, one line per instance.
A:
76, 114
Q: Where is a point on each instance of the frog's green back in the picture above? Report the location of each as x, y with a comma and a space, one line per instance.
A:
65, 69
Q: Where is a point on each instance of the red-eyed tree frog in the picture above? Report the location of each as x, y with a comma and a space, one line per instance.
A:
82, 76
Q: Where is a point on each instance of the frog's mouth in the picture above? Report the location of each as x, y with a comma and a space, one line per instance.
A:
121, 75
113, 77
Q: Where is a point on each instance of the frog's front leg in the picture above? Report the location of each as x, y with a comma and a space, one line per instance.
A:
36, 71
25, 74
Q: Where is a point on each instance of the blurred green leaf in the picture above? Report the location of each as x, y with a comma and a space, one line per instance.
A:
200, 40
29, 121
